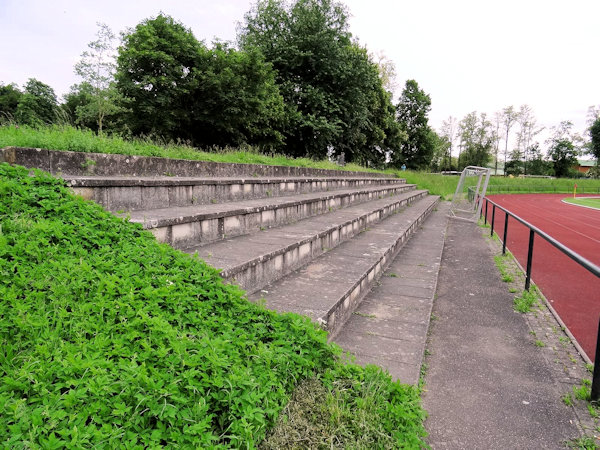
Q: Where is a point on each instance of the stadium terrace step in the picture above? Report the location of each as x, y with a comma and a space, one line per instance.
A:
389, 328
330, 288
102, 164
139, 193
254, 260
187, 226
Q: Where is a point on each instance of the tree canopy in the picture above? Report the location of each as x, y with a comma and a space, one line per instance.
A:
334, 97
412, 110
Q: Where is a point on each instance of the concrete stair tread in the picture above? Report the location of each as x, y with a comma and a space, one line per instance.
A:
103, 180
155, 217
389, 327
236, 251
317, 289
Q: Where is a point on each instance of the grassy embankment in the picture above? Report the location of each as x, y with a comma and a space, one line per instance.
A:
73, 139
109, 339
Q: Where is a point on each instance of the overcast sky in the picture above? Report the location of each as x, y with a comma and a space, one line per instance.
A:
468, 55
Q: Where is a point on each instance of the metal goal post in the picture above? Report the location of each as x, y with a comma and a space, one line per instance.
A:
468, 201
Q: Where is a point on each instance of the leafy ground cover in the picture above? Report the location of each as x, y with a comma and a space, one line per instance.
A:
109, 339
590, 202
65, 137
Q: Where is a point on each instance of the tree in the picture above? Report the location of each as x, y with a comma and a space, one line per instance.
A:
412, 110
509, 117
156, 73
10, 95
562, 151
236, 100
441, 146
334, 99
37, 105
79, 96
594, 131
448, 131
177, 88
528, 130
97, 69
477, 140
497, 123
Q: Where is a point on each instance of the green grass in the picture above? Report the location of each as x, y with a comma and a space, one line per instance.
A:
590, 202
109, 339
501, 261
446, 185
65, 137
525, 302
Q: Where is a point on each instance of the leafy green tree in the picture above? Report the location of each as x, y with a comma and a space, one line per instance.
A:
156, 73
79, 95
412, 110
537, 165
477, 140
595, 139
562, 150
441, 149
37, 105
509, 118
97, 68
334, 97
10, 95
179, 89
236, 100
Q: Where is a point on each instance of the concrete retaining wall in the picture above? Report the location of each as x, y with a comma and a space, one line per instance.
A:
80, 163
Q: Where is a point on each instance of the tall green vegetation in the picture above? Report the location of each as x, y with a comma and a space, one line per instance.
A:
176, 88
416, 151
98, 99
109, 339
335, 101
298, 83
595, 139
476, 140
37, 105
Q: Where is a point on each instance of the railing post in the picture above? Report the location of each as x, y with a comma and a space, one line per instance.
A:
595, 395
493, 217
505, 232
529, 258
485, 217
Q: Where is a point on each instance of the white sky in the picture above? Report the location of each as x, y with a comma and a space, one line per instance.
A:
468, 55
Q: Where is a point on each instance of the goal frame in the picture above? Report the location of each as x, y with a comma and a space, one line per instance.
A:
478, 194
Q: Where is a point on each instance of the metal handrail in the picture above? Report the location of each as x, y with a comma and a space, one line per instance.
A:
590, 266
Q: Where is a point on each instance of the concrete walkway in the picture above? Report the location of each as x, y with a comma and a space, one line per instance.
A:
487, 386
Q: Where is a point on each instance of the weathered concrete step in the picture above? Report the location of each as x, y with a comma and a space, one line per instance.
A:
139, 193
329, 289
192, 225
389, 328
254, 260
83, 163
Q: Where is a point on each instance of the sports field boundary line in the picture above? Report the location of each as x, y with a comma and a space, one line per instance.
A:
581, 206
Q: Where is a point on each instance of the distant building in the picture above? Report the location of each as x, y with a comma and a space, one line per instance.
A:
584, 165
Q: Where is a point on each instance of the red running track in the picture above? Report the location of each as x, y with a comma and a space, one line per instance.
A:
571, 289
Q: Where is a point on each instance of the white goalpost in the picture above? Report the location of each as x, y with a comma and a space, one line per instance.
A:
467, 200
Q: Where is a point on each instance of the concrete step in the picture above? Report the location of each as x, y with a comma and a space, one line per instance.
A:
254, 260
143, 193
389, 328
330, 288
192, 225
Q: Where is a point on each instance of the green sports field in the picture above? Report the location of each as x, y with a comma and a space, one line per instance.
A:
590, 202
